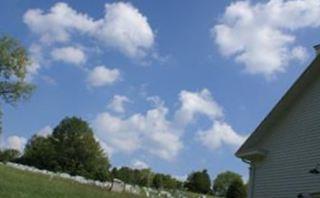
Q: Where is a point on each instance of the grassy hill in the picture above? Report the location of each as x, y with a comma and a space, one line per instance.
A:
23, 184
15, 183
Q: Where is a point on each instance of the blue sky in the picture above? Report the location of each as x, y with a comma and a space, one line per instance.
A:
173, 85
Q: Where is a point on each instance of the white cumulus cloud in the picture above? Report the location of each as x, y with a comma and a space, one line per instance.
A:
220, 134
117, 103
102, 76
58, 23
193, 103
71, 55
16, 142
150, 132
261, 36
35, 53
138, 164
45, 131
126, 29
202, 102
123, 27
154, 133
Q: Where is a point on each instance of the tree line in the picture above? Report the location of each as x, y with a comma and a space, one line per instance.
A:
146, 177
72, 147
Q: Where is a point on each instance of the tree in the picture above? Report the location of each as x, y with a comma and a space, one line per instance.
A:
237, 190
169, 182
223, 181
13, 70
71, 148
40, 152
9, 155
199, 182
157, 181
145, 177
78, 153
125, 174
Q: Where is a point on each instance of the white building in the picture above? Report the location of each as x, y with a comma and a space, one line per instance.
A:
284, 150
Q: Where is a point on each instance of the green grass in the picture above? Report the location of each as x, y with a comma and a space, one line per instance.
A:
23, 184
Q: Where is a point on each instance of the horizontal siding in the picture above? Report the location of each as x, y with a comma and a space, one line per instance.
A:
293, 145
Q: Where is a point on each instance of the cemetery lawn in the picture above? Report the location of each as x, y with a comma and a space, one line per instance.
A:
16, 183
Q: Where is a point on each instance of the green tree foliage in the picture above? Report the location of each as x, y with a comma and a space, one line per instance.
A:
141, 177
78, 152
9, 155
145, 177
163, 181
71, 148
125, 174
237, 190
199, 182
13, 70
223, 181
171, 183
157, 181
39, 152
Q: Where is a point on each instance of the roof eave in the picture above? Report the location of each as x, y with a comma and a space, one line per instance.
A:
252, 155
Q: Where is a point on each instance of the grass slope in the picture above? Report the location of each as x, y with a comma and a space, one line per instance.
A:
23, 184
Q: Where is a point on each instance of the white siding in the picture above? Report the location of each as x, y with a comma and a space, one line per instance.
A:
293, 146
